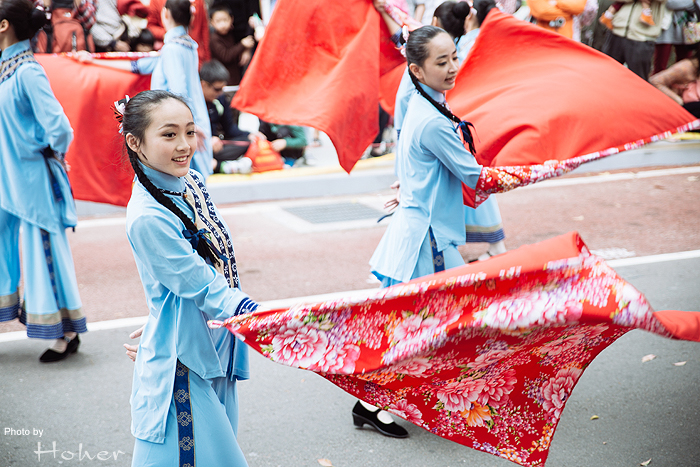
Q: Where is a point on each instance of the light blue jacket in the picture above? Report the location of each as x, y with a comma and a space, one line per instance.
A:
431, 164
30, 120
177, 70
182, 292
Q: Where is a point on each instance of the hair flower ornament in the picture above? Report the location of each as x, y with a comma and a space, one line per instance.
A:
119, 107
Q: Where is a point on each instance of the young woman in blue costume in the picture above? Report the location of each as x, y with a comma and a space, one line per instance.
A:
483, 224
431, 163
34, 192
184, 404
176, 70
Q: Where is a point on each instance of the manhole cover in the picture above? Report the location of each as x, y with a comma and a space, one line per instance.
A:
339, 212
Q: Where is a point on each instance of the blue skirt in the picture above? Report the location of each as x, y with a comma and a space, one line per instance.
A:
484, 224
201, 427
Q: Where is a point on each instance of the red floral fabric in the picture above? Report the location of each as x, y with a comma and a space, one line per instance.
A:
486, 355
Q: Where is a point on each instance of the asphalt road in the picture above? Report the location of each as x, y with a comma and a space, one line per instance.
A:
294, 418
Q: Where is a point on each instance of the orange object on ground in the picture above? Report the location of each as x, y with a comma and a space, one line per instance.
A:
264, 157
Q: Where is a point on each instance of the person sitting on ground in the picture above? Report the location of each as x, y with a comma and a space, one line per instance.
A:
681, 82
232, 53
645, 16
228, 142
288, 140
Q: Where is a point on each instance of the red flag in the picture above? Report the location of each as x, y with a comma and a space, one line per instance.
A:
318, 65
98, 171
534, 95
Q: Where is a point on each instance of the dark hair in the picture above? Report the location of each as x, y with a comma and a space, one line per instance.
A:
24, 18
417, 52
135, 120
180, 9
482, 8
145, 37
452, 16
213, 71
220, 7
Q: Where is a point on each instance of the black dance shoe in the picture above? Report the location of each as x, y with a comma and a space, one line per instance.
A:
52, 356
360, 416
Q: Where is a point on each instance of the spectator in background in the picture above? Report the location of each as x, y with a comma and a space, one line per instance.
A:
583, 21
681, 82
198, 28
557, 15
144, 42
83, 10
671, 37
109, 31
233, 54
288, 140
632, 41
242, 11
229, 143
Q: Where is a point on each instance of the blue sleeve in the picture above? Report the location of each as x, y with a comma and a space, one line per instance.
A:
442, 141
169, 258
145, 66
48, 112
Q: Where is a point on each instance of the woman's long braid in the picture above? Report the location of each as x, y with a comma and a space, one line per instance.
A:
446, 112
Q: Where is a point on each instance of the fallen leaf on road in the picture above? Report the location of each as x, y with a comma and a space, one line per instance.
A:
645, 463
648, 358
680, 363
577, 218
327, 463
595, 417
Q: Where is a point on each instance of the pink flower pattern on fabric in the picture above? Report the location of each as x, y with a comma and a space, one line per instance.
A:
299, 345
557, 390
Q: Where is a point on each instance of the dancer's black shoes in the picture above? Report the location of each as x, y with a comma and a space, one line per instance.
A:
362, 416
52, 356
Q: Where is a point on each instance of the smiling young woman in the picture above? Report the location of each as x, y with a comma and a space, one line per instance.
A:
184, 404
